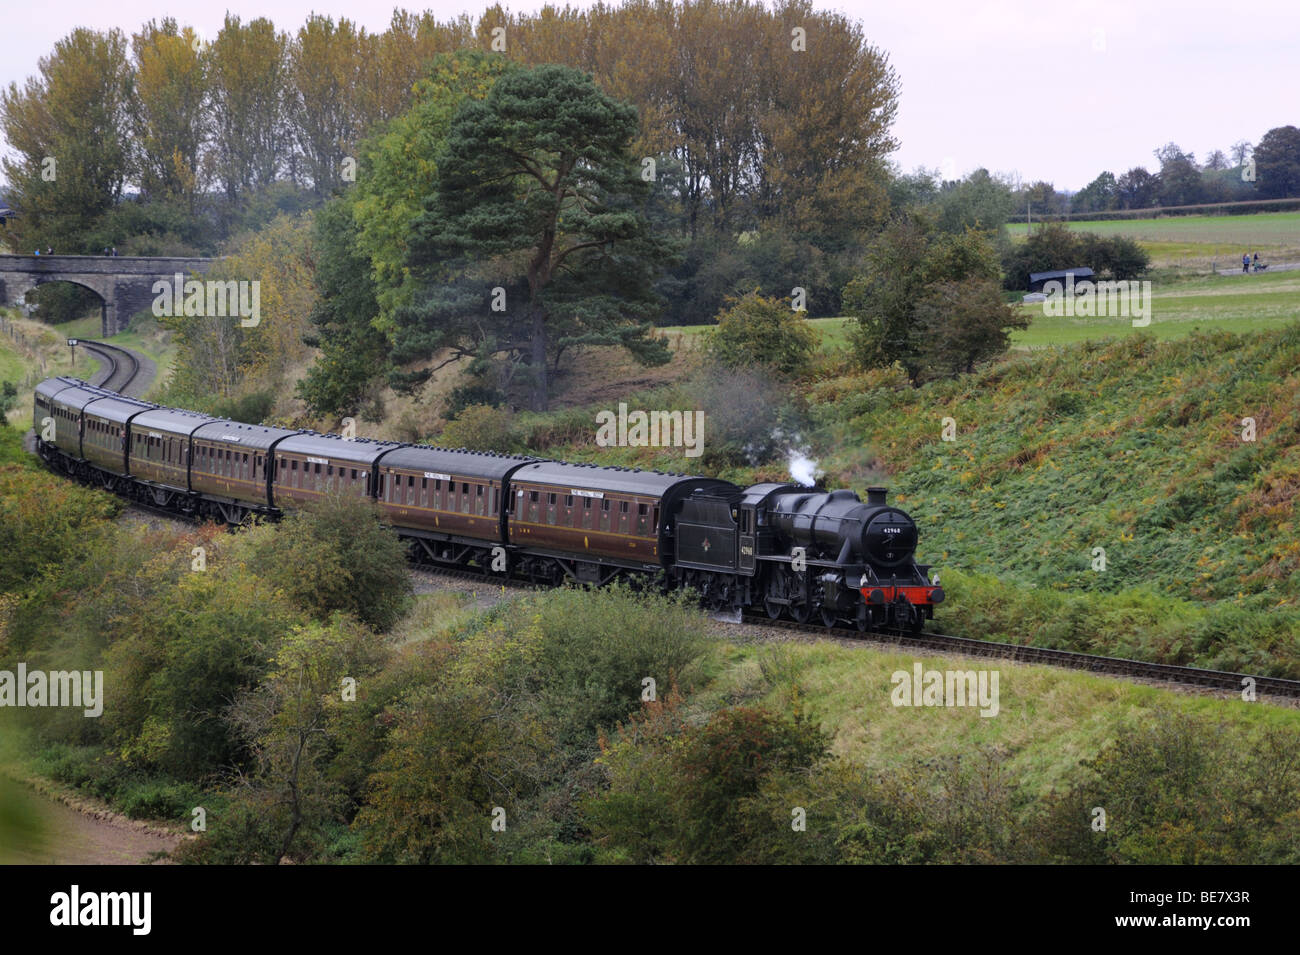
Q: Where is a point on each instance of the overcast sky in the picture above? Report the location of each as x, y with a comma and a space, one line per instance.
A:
1049, 89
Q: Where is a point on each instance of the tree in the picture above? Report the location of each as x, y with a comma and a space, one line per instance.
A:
979, 201
1137, 189
538, 190
1277, 163
325, 65
962, 323
763, 331
169, 117
333, 555
1217, 160
69, 129
250, 98
353, 351
1100, 195
912, 272
1180, 179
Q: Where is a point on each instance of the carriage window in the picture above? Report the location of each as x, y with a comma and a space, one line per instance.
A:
568, 500
550, 499
354, 474
424, 484
640, 509
295, 465
604, 505
478, 489
623, 506
533, 497
586, 502
464, 488
329, 470
437, 484
318, 467
410, 480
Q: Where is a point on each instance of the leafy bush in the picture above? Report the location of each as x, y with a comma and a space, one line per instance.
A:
334, 555
763, 331
482, 428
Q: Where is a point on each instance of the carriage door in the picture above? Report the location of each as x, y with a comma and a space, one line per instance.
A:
746, 540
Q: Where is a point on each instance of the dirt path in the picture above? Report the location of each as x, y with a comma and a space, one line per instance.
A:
50, 832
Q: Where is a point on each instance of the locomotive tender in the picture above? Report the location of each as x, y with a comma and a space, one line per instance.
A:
794, 551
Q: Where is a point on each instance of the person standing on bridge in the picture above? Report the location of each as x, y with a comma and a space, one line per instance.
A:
115, 250
49, 250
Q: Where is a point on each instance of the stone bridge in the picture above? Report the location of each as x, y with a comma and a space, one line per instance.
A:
123, 282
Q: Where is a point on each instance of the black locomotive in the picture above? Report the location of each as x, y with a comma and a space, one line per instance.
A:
800, 552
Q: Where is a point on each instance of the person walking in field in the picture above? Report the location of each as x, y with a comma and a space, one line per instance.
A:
1245, 261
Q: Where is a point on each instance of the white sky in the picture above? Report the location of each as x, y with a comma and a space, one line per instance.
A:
1051, 89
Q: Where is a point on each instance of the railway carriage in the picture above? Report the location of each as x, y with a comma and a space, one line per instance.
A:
106, 425
64, 402
309, 466
159, 457
449, 503
232, 466
596, 521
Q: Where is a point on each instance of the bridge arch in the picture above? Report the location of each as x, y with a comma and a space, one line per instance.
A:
123, 283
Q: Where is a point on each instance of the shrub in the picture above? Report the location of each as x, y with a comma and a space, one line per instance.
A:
334, 555
763, 331
482, 428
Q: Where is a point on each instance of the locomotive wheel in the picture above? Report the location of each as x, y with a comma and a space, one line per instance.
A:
863, 618
828, 617
800, 613
773, 609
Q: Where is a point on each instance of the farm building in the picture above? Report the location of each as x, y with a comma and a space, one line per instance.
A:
1038, 279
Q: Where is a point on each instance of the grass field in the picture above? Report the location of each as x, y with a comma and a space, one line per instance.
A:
1202, 241
1239, 303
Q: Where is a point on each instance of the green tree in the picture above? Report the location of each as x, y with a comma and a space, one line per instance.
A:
1100, 195
1277, 163
333, 555
68, 130
911, 272
538, 188
353, 351
980, 201
169, 114
325, 68
763, 331
250, 98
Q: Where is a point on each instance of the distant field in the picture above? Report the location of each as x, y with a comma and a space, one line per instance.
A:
1229, 303
1202, 241
1234, 304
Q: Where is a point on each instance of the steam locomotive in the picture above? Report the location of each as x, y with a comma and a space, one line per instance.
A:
803, 553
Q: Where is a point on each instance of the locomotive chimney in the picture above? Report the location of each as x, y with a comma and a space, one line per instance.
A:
876, 496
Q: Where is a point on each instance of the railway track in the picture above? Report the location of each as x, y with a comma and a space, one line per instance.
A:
1070, 659
121, 366
966, 646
